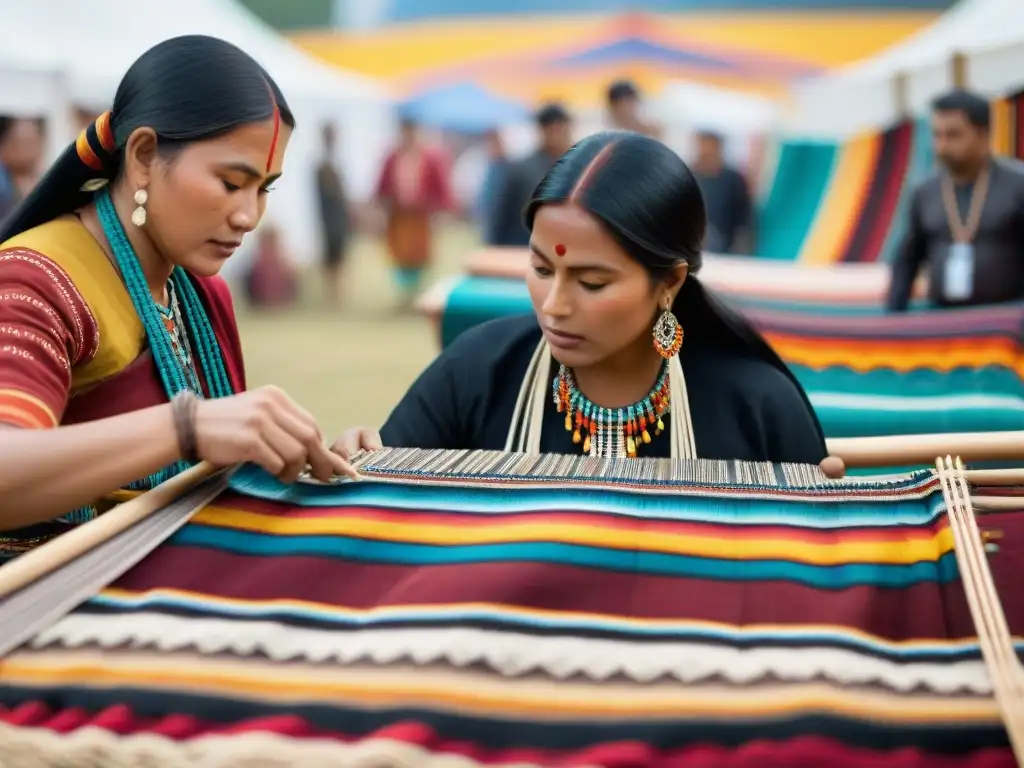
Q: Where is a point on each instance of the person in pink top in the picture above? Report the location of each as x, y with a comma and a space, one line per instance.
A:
272, 282
414, 185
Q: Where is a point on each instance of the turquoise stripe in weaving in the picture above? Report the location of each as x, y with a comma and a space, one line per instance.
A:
851, 403
836, 309
921, 382
801, 180
869, 422
821, 513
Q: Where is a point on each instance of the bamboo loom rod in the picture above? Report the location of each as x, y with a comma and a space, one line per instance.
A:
900, 450
995, 477
48, 557
996, 503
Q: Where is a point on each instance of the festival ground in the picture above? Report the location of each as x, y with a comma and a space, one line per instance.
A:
351, 365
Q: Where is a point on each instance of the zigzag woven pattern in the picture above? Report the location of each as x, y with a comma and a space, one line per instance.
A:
471, 608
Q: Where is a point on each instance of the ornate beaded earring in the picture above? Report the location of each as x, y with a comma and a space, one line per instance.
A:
668, 333
139, 214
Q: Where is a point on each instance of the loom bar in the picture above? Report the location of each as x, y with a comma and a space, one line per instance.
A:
901, 450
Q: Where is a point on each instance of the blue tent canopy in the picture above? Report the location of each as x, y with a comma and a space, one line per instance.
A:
637, 49
463, 107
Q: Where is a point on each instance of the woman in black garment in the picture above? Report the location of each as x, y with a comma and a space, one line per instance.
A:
626, 353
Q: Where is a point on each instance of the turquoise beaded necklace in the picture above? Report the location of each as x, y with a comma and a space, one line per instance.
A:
171, 371
610, 432
175, 371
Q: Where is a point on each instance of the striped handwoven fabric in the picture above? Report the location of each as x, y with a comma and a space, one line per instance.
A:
843, 200
865, 197
802, 174
832, 203
882, 195
1008, 126
1018, 126
922, 164
917, 373
470, 609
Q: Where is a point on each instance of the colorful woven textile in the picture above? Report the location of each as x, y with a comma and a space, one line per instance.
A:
832, 203
1008, 126
802, 173
922, 164
843, 202
918, 373
829, 202
482, 609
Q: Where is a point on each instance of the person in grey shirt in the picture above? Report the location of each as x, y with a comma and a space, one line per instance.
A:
335, 222
966, 223
726, 197
522, 177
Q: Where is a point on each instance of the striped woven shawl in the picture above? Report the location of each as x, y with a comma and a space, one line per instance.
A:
465, 609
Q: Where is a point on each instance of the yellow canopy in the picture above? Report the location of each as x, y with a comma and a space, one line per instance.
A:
517, 56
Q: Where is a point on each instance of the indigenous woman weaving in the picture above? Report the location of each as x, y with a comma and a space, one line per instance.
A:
627, 354
120, 362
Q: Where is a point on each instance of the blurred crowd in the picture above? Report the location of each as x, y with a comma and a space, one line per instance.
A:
415, 190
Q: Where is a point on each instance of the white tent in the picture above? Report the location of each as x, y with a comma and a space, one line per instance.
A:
989, 34
122, 34
725, 110
96, 42
29, 80
685, 107
32, 83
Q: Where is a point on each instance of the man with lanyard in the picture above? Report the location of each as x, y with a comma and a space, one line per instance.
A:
967, 221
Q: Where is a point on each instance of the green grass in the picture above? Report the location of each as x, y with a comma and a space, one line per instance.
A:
350, 365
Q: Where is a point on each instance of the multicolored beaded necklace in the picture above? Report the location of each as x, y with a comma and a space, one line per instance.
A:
175, 325
610, 432
167, 334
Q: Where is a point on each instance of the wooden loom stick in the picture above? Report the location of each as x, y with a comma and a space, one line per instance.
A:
995, 503
39, 605
995, 477
900, 450
986, 609
77, 541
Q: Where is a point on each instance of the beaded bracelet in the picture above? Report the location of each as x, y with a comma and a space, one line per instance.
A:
183, 406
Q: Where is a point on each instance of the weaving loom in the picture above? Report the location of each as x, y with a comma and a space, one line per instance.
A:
866, 374
462, 609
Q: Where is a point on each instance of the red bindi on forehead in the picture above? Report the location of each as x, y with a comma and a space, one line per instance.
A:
560, 250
